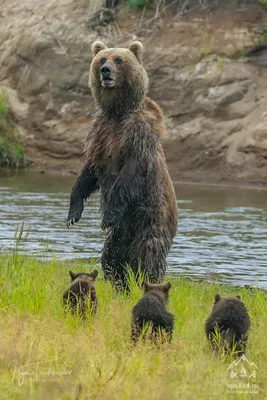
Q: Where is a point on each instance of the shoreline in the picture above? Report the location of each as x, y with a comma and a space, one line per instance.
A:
227, 184
205, 280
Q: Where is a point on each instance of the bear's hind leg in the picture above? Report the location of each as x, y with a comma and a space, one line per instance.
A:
151, 254
113, 262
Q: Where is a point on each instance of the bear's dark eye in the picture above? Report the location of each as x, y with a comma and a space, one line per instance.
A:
118, 60
103, 61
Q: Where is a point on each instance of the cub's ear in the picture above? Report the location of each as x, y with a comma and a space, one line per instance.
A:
167, 287
94, 274
147, 287
97, 46
72, 275
137, 48
238, 297
217, 298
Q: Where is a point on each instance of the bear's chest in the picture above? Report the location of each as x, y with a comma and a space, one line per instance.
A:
106, 151
109, 167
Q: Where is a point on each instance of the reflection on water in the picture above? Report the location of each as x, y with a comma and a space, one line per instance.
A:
222, 231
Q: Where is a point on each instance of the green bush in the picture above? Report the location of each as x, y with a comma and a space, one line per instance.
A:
11, 152
136, 3
3, 105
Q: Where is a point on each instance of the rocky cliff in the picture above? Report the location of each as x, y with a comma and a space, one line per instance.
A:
215, 103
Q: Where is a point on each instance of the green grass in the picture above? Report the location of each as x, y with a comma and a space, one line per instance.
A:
94, 359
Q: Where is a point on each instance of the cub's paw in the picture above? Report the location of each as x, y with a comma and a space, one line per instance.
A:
74, 216
110, 220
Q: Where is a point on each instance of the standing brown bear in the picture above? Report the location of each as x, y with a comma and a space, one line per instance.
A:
125, 161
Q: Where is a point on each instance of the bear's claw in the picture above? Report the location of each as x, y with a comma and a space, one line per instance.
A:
70, 223
110, 220
74, 216
105, 224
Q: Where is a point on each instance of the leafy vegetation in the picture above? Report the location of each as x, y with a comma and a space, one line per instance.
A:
221, 63
263, 35
136, 3
3, 105
181, 6
11, 152
94, 359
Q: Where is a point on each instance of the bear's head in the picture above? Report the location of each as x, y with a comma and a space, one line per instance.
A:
83, 276
160, 289
117, 78
219, 300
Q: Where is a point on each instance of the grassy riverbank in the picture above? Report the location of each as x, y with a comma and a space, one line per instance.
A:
94, 360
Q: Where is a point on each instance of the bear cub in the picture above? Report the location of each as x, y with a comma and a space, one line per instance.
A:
81, 294
230, 318
151, 310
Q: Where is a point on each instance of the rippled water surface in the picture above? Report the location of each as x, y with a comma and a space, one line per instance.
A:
222, 231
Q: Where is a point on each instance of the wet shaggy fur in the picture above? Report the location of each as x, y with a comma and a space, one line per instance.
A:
230, 318
151, 311
125, 161
81, 295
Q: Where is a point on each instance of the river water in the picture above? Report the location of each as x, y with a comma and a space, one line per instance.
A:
222, 232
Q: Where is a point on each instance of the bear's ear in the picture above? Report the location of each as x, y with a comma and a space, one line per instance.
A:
72, 275
238, 297
97, 46
147, 287
137, 48
217, 298
93, 274
167, 287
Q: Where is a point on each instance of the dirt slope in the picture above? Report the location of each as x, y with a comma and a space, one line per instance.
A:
214, 102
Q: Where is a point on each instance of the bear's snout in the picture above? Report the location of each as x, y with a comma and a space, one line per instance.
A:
106, 76
106, 71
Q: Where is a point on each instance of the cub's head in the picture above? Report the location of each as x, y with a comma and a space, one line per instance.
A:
161, 289
83, 276
218, 300
117, 77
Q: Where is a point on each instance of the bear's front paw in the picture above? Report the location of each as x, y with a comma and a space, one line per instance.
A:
110, 220
75, 214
